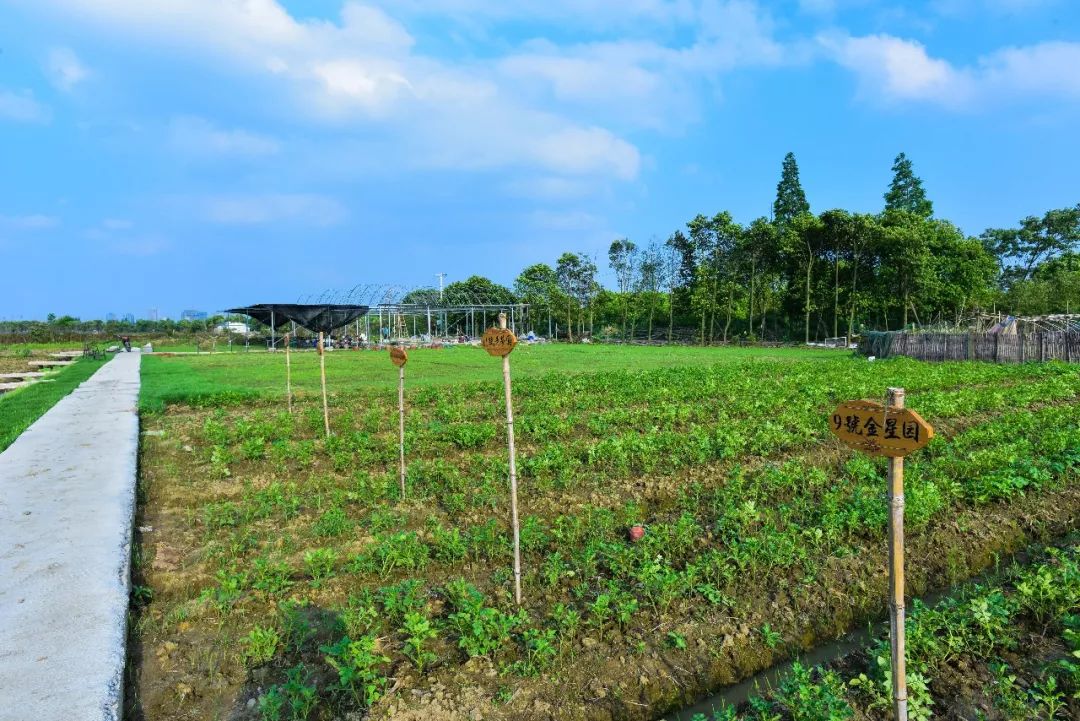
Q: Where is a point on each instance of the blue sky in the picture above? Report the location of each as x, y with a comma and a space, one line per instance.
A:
203, 153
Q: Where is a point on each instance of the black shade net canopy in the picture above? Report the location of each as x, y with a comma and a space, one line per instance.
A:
320, 317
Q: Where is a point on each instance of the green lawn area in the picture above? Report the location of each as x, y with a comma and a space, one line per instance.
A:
20, 408
212, 379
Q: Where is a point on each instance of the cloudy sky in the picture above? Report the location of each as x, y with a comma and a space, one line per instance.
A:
180, 154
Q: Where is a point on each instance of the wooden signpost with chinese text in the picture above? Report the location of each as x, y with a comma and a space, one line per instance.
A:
894, 431
399, 357
500, 342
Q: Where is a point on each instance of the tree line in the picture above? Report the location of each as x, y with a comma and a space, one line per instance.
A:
803, 276
795, 275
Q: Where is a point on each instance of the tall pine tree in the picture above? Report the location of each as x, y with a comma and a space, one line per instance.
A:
790, 198
906, 191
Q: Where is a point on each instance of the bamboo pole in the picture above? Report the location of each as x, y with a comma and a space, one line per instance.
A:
288, 374
322, 374
513, 470
896, 570
401, 425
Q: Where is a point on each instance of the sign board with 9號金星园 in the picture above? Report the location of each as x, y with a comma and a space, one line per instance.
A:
398, 356
865, 426
498, 341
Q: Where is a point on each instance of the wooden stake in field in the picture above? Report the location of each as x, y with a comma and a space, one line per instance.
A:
499, 342
894, 431
288, 374
322, 373
399, 357
896, 567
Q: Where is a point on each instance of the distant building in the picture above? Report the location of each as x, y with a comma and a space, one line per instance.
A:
128, 318
194, 315
233, 327
110, 317
152, 315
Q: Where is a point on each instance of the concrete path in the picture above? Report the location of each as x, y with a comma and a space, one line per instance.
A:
67, 501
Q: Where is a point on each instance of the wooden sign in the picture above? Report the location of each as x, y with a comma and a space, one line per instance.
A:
398, 356
498, 341
865, 426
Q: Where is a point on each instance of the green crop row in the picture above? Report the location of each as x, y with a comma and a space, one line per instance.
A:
974, 626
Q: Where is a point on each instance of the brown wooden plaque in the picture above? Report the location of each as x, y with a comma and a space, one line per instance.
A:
865, 426
398, 356
498, 341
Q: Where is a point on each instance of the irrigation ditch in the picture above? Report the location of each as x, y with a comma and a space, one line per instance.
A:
849, 650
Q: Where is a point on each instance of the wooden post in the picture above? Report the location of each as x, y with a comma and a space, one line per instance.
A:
288, 374
322, 374
896, 570
401, 425
513, 470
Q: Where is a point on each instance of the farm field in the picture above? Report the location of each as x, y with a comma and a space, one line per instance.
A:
230, 377
21, 407
1006, 649
280, 574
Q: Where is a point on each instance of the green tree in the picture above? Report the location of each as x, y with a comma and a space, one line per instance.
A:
538, 286
962, 273
905, 260
477, 289
1021, 250
576, 276
759, 250
790, 198
623, 258
800, 241
906, 191
651, 278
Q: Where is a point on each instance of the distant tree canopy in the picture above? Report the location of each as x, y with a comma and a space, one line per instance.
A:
906, 191
801, 276
796, 276
790, 200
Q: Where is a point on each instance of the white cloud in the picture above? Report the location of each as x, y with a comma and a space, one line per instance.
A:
117, 224
65, 69
1051, 69
301, 208
587, 150
28, 222
22, 108
197, 137
569, 220
363, 71
895, 70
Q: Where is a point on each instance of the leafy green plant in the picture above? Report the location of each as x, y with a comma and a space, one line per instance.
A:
299, 693
320, 564
261, 645
809, 699
771, 638
332, 523
359, 667
418, 631
402, 599
676, 640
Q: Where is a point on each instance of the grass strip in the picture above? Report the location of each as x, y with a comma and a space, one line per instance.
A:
20, 408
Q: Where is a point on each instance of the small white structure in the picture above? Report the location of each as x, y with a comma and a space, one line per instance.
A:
233, 328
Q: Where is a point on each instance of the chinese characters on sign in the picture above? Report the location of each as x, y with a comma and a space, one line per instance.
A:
498, 341
866, 426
